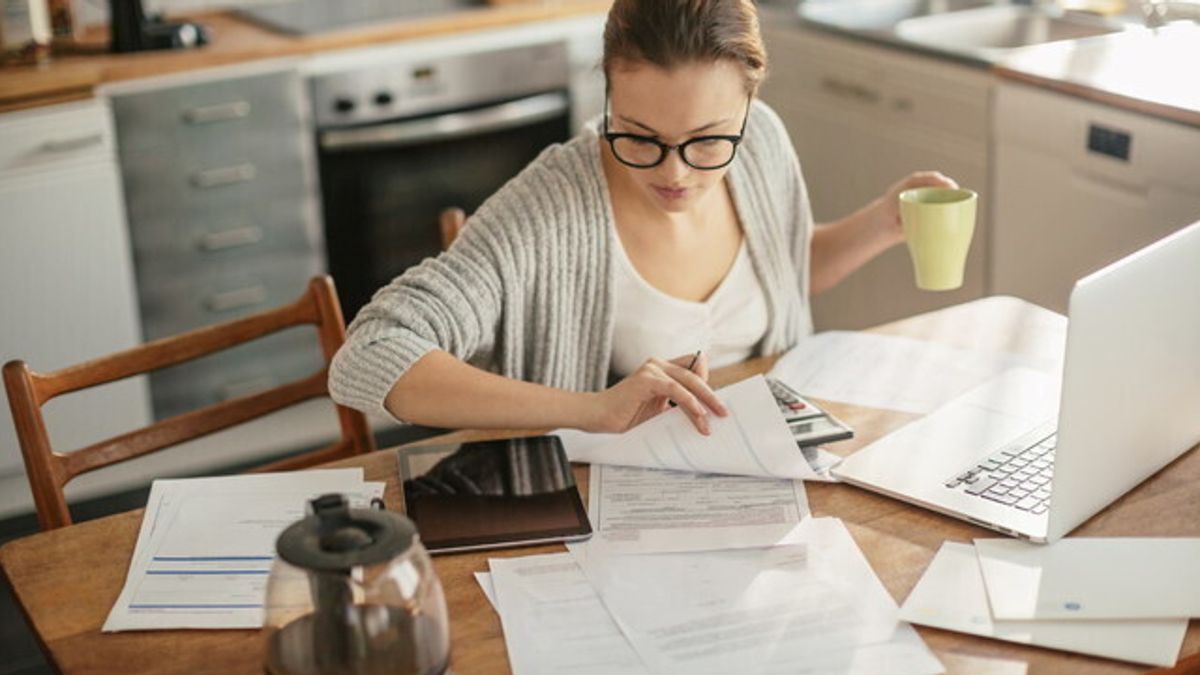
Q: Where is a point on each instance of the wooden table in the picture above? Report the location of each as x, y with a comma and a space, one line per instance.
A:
67, 580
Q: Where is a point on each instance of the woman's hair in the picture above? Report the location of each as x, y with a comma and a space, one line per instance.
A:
668, 33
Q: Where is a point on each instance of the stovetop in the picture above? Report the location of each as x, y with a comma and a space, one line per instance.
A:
306, 17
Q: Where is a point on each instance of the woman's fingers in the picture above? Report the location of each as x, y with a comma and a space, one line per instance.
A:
690, 405
695, 384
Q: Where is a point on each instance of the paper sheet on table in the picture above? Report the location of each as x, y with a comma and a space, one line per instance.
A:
753, 440
890, 372
636, 510
484, 579
554, 622
951, 595
815, 606
206, 546
1092, 578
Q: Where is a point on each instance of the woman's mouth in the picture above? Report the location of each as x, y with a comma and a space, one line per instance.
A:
670, 194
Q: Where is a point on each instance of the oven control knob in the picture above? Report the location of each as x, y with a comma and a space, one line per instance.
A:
343, 105
384, 98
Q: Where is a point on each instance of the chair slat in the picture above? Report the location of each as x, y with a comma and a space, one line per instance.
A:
192, 425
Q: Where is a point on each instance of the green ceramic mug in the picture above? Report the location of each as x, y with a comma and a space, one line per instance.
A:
938, 225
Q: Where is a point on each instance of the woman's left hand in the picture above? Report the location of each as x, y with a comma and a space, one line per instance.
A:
885, 216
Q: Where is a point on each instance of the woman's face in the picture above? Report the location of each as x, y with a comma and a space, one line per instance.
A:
673, 106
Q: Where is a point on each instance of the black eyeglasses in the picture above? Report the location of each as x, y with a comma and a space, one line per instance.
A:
705, 153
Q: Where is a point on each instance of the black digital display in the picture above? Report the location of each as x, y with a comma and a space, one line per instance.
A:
1111, 142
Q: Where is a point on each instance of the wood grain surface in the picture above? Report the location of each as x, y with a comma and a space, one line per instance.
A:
67, 580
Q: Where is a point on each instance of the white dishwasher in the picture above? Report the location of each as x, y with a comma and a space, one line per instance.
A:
1078, 185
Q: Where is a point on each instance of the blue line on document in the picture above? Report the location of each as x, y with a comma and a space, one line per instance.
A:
213, 606
184, 572
187, 558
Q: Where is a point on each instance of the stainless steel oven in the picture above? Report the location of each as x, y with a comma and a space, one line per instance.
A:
400, 142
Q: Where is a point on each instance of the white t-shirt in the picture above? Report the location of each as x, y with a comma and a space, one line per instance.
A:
649, 323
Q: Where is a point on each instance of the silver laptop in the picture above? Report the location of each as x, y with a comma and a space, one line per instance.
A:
1130, 404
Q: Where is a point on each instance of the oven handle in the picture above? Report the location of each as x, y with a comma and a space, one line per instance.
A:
449, 126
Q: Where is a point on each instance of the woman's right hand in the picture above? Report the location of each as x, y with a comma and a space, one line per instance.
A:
651, 389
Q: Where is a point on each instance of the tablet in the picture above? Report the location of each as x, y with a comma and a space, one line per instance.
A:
492, 494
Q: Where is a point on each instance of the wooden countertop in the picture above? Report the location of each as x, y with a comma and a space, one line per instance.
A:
1145, 71
235, 39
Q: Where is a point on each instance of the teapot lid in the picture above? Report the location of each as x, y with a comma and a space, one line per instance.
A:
336, 538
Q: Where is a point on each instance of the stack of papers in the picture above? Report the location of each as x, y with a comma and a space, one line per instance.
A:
1125, 599
705, 559
812, 604
206, 546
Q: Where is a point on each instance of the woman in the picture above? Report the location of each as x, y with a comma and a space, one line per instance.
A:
678, 224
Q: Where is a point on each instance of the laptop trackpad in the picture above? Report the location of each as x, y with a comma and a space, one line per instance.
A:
918, 458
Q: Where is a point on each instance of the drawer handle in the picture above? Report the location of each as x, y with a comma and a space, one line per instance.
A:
245, 387
850, 90
220, 112
75, 143
226, 175
236, 299
232, 238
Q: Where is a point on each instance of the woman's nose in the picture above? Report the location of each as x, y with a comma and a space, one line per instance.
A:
673, 167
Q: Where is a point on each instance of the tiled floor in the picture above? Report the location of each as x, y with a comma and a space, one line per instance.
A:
19, 651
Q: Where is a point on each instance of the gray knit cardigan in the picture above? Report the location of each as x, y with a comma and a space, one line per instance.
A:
526, 290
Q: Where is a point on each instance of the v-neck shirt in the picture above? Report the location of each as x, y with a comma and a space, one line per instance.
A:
727, 325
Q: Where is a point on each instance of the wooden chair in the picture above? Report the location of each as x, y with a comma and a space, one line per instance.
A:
451, 222
49, 471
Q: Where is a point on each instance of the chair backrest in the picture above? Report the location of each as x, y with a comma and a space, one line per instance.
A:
451, 222
50, 471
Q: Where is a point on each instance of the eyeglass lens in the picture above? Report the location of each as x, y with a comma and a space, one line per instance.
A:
700, 153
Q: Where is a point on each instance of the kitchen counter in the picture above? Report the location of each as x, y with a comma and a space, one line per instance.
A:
236, 39
1149, 72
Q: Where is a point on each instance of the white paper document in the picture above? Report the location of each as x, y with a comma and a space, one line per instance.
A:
654, 510
554, 622
489, 589
206, 546
951, 596
1092, 578
890, 372
753, 440
810, 607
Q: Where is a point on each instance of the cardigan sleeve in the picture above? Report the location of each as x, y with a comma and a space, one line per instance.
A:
452, 302
794, 203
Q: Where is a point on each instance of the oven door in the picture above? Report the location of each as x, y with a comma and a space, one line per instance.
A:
384, 185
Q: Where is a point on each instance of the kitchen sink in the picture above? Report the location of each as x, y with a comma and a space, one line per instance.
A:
997, 28
978, 30
879, 15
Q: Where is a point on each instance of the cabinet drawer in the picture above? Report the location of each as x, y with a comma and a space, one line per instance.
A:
164, 186
181, 303
196, 119
55, 137
233, 239
246, 369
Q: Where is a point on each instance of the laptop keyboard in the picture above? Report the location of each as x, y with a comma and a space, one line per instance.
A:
1017, 475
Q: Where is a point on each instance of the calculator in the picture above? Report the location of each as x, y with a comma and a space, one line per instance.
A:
809, 424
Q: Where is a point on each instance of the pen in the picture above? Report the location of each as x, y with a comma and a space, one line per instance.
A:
692, 364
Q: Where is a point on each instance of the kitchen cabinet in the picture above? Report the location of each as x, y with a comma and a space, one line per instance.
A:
66, 273
221, 190
861, 117
1079, 185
